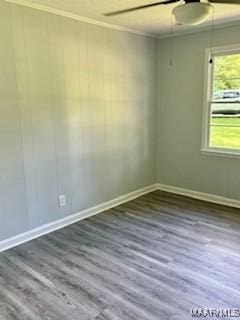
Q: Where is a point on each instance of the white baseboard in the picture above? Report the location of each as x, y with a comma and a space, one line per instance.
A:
200, 195
59, 224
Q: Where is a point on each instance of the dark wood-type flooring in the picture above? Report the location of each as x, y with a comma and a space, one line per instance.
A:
153, 258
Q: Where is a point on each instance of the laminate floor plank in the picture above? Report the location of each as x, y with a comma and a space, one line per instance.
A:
154, 258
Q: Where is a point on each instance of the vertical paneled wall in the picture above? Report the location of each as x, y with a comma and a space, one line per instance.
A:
77, 116
180, 87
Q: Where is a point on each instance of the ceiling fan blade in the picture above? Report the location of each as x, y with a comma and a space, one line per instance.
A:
225, 1
109, 14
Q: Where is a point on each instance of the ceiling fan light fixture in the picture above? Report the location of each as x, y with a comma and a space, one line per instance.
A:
192, 13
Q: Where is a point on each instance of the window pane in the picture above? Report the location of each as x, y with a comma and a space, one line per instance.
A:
226, 86
227, 67
227, 90
220, 120
225, 108
225, 105
225, 137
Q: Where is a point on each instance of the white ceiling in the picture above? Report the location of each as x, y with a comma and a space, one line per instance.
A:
154, 20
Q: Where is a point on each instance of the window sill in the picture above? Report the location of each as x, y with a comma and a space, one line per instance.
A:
221, 153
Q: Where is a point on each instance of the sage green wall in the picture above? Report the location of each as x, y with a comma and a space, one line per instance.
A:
180, 88
77, 116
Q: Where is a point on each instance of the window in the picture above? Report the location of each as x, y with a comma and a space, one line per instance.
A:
221, 128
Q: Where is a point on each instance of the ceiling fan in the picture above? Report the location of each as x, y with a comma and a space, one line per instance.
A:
189, 12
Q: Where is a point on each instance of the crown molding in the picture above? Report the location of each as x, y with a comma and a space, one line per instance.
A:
66, 14
176, 33
220, 25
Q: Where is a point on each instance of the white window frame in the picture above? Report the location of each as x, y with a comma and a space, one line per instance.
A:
208, 88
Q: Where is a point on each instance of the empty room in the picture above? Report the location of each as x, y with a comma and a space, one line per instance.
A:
120, 159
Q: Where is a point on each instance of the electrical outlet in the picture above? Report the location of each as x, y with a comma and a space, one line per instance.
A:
62, 200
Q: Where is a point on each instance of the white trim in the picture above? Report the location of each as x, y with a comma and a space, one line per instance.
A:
224, 23
203, 28
226, 49
200, 195
59, 224
207, 97
63, 13
221, 152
